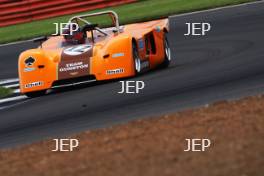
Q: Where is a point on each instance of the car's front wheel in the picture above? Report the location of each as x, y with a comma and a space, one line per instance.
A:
167, 52
137, 61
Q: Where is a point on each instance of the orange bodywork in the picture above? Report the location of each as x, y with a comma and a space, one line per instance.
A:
109, 57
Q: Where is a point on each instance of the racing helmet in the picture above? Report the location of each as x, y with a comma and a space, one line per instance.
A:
73, 34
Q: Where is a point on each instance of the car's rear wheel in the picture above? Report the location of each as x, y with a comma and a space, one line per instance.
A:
167, 52
137, 61
35, 94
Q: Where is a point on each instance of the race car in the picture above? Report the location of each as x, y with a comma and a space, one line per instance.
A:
94, 53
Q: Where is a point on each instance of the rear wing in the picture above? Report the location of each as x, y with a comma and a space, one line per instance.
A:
113, 15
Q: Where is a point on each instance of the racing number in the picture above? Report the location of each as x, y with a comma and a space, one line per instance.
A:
77, 50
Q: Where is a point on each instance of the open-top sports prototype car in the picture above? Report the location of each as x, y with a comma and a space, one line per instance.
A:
92, 53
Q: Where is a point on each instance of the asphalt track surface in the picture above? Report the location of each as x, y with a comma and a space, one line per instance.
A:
225, 64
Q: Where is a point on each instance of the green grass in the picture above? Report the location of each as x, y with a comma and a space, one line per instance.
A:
135, 12
4, 92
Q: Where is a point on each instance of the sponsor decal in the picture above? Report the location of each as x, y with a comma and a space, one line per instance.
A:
77, 50
115, 71
34, 84
29, 69
73, 66
140, 44
29, 61
75, 62
118, 55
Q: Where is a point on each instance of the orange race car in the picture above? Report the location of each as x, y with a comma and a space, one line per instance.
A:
92, 53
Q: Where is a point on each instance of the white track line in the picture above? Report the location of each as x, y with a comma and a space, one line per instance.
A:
11, 86
9, 106
6, 100
216, 9
18, 42
16, 91
7, 81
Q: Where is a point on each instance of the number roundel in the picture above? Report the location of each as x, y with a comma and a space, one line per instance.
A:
77, 50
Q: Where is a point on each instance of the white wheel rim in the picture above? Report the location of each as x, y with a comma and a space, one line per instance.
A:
137, 64
167, 50
137, 61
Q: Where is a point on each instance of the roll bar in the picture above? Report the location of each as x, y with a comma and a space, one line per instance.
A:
113, 15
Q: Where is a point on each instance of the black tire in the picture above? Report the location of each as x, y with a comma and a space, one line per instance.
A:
136, 58
167, 52
35, 94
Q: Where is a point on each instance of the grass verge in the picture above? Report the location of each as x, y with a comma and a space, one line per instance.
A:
140, 11
4, 92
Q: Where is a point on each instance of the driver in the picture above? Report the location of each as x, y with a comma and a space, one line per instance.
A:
76, 36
